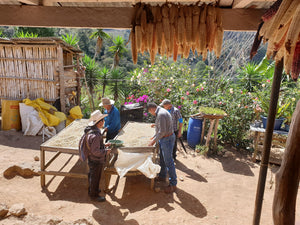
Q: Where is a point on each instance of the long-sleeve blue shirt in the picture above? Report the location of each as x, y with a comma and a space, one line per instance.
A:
112, 121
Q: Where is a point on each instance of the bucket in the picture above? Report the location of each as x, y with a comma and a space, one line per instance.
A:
10, 115
194, 132
277, 123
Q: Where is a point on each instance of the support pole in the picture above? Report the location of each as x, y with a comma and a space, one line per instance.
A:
288, 177
267, 142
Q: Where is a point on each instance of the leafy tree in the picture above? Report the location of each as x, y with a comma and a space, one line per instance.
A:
71, 40
21, 34
41, 32
91, 77
116, 84
104, 74
100, 35
118, 49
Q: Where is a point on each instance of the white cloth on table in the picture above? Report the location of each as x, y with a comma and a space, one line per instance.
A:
136, 161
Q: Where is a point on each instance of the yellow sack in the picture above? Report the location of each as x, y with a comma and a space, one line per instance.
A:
76, 113
61, 116
42, 107
10, 115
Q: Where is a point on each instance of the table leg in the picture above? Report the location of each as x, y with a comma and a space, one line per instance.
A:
203, 129
215, 134
152, 184
43, 180
256, 140
211, 125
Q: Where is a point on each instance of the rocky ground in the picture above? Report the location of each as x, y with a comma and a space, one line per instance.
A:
218, 190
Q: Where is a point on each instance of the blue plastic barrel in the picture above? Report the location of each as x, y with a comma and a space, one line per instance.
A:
194, 132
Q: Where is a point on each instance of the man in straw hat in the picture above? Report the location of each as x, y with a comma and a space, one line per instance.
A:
95, 151
112, 121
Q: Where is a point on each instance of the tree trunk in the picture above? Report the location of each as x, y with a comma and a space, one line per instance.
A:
287, 178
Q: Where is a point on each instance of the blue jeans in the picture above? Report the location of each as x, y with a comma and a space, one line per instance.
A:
166, 159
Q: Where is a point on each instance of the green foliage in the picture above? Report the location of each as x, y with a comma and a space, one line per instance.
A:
71, 40
1, 33
116, 83
202, 149
21, 34
41, 32
118, 49
211, 111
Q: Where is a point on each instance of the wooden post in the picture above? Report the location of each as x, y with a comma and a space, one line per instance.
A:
61, 78
78, 80
43, 180
211, 125
256, 140
267, 142
203, 130
288, 177
215, 134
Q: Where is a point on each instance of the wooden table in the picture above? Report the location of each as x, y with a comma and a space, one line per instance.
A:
66, 142
136, 137
279, 138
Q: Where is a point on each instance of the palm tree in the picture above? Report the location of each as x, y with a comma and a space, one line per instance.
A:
118, 50
100, 35
116, 83
104, 73
91, 77
71, 40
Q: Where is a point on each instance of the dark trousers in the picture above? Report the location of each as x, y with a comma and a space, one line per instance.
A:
94, 176
175, 145
110, 135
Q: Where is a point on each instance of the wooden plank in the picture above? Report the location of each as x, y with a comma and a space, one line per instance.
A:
247, 3
61, 79
30, 2
288, 176
211, 125
65, 174
105, 17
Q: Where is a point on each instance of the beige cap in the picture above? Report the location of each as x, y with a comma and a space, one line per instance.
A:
96, 116
106, 101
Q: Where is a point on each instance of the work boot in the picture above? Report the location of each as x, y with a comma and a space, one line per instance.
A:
160, 179
170, 189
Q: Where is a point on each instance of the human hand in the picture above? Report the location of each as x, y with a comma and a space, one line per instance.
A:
179, 135
151, 143
107, 144
152, 125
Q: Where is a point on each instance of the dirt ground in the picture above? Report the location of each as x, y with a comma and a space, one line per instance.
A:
211, 191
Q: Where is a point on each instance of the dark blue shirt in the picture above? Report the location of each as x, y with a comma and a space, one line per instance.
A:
112, 121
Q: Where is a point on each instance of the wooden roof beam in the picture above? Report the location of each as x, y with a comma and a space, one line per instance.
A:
240, 4
106, 17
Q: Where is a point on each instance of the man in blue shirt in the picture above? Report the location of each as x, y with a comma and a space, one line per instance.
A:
176, 118
112, 121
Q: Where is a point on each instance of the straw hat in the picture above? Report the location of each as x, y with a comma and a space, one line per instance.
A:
106, 101
96, 116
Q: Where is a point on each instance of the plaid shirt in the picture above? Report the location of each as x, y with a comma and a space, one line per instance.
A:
176, 115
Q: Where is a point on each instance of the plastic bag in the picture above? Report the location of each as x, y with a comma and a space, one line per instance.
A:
25, 112
33, 124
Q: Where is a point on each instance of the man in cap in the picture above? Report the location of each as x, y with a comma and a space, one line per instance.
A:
112, 121
95, 151
176, 118
165, 136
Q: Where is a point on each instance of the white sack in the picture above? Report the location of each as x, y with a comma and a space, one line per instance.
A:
33, 124
25, 111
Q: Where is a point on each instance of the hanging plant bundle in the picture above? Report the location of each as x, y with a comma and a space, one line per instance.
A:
171, 30
280, 27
